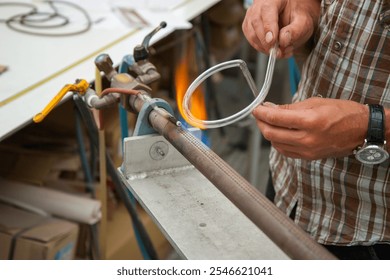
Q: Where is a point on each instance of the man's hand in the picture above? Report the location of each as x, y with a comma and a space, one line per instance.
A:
314, 128
291, 23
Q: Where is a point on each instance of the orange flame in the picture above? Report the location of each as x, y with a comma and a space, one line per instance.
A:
198, 104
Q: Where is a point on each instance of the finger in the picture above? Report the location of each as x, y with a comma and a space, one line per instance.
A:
296, 149
284, 117
285, 38
292, 137
258, 32
250, 35
298, 152
268, 26
287, 152
296, 33
287, 52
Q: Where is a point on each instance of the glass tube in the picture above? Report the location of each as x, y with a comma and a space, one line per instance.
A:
259, 97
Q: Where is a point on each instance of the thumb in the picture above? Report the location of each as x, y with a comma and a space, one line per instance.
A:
273, 105
270, 104
282, 106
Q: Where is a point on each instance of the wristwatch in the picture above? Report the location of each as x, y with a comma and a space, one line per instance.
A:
373, 150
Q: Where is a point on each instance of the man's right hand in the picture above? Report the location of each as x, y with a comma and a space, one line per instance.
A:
290, 23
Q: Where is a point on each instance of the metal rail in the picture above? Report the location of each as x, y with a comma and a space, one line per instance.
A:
290, 238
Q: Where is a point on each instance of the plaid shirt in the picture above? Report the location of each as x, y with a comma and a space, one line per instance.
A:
339, 200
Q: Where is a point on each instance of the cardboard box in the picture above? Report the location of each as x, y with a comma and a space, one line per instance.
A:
26, 236
5, 245
121, 241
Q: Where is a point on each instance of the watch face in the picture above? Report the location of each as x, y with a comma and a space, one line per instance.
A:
372, 154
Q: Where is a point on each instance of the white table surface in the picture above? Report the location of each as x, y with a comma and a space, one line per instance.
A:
38, 67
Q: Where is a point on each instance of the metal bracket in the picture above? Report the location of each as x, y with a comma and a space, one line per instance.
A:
147, 155
142, 126
196, 218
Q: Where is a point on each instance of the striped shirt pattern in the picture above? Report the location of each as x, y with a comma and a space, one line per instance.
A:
339, 200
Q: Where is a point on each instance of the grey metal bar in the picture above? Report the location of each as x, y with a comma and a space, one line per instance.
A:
190, 211
296, 243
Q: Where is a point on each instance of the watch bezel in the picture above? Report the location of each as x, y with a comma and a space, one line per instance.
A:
361, 154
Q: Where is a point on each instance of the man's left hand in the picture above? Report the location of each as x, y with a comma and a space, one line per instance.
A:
314, 128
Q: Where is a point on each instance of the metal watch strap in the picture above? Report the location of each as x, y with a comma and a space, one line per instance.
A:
376, 124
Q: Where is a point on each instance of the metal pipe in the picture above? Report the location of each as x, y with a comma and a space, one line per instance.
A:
93, 101
290, 238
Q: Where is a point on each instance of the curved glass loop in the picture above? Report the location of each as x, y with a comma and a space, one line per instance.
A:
259, 97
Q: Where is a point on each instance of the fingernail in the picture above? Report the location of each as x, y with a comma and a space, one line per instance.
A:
268, 37
269, 104
278, 53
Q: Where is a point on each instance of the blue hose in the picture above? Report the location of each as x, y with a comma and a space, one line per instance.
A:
294, 75
123, 68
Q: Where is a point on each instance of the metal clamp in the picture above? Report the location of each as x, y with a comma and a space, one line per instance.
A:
142, 126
